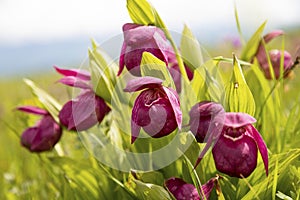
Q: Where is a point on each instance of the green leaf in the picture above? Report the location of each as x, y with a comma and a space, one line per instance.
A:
206, 82
146, 191
141, 12
103, 74
50, 104
190, 49
251, 47
238, 97
152, 66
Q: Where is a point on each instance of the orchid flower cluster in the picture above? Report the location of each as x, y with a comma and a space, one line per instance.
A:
157, 108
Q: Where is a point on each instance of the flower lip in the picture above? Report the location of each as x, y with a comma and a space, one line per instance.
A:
236, 120
141, 83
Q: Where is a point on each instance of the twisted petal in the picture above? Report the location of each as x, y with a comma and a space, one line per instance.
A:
32, 110
174, 100
262, 147
74, 82
81, 74
141, 83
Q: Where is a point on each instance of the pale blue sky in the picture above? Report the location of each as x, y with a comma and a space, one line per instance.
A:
42, 20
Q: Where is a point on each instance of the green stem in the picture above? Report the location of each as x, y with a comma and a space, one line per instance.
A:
178, 57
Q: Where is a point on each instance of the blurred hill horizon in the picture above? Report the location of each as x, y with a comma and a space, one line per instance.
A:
39, 57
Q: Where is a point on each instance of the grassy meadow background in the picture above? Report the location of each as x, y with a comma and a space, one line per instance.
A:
24, 175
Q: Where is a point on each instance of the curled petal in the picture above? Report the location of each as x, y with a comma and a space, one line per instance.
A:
74, 82
236, 120
81, 74
32, 110
174, 100
268, 37
142, 83
262, 147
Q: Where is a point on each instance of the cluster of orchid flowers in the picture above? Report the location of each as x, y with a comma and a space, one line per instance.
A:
157, 111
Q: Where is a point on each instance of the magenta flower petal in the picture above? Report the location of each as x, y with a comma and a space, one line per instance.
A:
140, 83
49, 133
81, 74
32, 110
135, 131
28, 135
128, 26
43, 136
74, 82
270, 36
83, 112
121, 61
156, 109
262, 147
236, 120
139, 39
235, 153
236, 158
182, 190
174, 100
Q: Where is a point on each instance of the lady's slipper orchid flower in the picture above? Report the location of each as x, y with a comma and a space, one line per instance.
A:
206, 118
235, 152
156, 109
139, 39
182, 190
275, 57
44, 134
87, 109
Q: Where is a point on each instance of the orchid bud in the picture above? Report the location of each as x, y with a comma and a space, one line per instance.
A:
139, 39
83, 112
156, 109
235, 153
275, 57
206, 118
182, 190
44, 134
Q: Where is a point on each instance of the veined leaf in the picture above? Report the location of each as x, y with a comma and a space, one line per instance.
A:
152, 66
251, 47
190, 49
238, 97
50, 104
